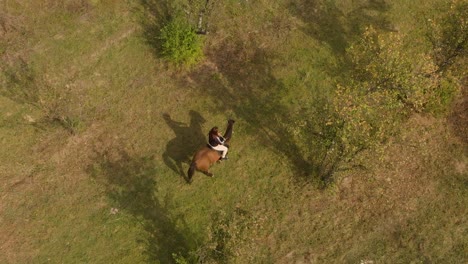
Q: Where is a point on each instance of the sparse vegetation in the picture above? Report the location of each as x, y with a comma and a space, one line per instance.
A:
349, 146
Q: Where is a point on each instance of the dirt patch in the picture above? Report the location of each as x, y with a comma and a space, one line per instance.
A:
460, 167
400, 177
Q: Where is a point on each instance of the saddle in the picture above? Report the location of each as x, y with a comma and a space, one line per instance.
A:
211, 147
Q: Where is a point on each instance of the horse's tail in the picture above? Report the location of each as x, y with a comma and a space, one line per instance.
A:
191, 171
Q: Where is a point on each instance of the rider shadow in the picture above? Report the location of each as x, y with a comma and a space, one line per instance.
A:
189, 138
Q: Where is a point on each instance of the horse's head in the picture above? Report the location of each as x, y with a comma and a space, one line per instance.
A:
228, 133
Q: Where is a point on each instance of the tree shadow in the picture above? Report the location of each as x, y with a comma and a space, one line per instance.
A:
458, 117
239, 77
328, 23
189, 138
130, 184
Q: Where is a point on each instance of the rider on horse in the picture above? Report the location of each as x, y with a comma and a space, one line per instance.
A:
216, 142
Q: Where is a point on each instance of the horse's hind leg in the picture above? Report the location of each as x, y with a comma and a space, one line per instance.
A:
207, 173
204, 168
190, 172
203, 165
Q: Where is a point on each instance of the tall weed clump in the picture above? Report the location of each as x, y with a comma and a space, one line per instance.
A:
180, 44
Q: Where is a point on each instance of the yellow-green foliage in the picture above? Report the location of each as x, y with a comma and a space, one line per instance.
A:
386, 85
448, 33
180, 44
381, 63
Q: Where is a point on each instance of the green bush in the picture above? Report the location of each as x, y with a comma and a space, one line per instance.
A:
180, 44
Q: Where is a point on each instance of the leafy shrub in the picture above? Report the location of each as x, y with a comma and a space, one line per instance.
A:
180, 44
226, 238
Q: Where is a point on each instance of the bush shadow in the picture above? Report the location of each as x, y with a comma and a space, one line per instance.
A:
131, 186
153, 15
188, 139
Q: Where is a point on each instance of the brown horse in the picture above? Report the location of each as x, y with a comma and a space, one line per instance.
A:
205, 157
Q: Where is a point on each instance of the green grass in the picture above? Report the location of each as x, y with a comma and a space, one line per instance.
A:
111, 191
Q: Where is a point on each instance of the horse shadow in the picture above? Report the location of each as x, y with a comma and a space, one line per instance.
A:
130, 184
188, 139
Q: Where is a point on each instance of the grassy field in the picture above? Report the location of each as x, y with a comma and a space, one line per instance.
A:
96, 130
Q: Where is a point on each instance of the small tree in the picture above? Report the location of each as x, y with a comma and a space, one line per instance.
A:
383, 65
198, 12
387, 83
